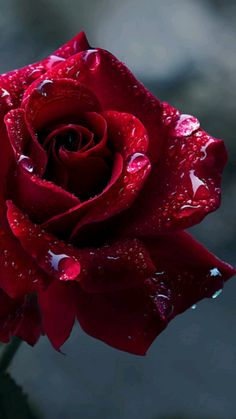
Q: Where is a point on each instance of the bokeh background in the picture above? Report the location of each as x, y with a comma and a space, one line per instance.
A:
185, 52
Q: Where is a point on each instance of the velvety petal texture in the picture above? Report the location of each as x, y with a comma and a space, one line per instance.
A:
98, 180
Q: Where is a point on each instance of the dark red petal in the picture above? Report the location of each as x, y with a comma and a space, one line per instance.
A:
117, 266
26, 148
14, 83
131, 319
126, 134
130, 170
123, 319
116, 89
187, 269
29, 328
58, 312
184, 187
19, 274
75, 45
54, 257
19, 317
53, 102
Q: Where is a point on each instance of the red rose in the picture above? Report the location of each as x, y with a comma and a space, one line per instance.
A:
98, 179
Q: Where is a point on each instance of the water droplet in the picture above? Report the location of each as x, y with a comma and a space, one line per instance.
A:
164, 305
217, 293
26, 163
214, 272
6, 97
52, 61
36, 73
67, 265
184, 126
194, 306
113, 257
187, 210
138, 161
44, 86
200, 189
204, 148
91, 58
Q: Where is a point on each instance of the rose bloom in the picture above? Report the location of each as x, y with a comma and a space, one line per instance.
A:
98, 180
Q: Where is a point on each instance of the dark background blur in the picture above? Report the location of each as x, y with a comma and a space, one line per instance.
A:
185, 52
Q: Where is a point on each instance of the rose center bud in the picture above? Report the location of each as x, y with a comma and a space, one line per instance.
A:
70, 140
78, 158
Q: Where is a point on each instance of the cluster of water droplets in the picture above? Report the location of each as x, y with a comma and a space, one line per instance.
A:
137, 162
161, 295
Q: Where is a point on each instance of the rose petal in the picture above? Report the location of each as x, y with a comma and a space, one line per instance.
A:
19, 317
130, 320
54, 257
183, 188
116, 266
116, 88
188, 270
53, 102
26, 148
19, 273
58, 312
123, 319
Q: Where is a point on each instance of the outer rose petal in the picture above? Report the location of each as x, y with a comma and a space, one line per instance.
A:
19, 274
124, 319
130, 320
189, 271
185, 186
58, 312
116, 88
19, 317
119, 265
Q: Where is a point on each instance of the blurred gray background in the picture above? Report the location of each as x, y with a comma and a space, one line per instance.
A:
185, 52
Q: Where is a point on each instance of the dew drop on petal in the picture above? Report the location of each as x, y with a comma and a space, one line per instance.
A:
199, 188
214, 272
184, 126
217, 293
194, 306
6, 97
186, 211
26, 163
53, 60
36, 73
91, 58
68, 266
137, 161
43, 87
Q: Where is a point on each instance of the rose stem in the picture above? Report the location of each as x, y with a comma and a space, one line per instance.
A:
8, 353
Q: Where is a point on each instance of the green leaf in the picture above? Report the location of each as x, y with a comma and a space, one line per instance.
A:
13, 402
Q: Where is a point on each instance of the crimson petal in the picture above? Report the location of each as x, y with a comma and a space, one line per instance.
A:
131, 319
54, 257
190, 271
19, 317
19, 273
185, 186
58, 312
